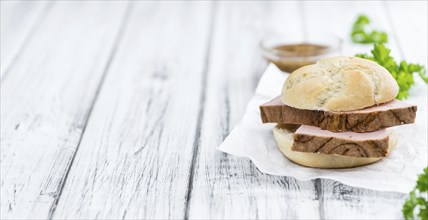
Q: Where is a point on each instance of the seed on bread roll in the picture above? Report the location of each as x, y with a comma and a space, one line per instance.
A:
284, 138
339, 84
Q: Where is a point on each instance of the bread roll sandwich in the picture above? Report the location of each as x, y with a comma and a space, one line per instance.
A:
337, 113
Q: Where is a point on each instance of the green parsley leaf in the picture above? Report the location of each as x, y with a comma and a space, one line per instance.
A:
402, 72
361, 32
417, 199
422, 183
409, 206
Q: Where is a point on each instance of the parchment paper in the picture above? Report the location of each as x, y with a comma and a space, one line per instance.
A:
398, 172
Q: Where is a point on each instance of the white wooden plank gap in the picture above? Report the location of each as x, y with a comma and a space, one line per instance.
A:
46, 100
19, 21
337, 200
135, 156
117, 41
201, 111
226, 187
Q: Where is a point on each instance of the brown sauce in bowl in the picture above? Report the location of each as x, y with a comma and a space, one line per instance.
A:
293, 56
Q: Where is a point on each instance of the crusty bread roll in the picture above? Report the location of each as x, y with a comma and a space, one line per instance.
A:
339, 84
284, 140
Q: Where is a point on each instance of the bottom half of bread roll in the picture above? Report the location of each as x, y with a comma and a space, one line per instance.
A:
284, 138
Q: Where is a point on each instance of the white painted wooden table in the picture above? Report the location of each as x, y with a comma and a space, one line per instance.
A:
114, 109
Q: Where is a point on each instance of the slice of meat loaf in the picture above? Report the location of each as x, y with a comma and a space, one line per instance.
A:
365, 120
313, 139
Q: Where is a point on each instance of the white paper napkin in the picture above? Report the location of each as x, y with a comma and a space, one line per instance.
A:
398, 172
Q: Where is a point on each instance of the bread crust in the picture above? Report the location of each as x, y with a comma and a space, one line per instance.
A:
284, 140
339, 84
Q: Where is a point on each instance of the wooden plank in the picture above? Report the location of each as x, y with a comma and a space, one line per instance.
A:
225, 186
134, 159
46, 100
18, 21
339, 201
410, 22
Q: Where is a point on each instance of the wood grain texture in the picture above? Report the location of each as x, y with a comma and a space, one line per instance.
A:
46, 99
110, 110
135, 156
340, 201
225, 186
18, 22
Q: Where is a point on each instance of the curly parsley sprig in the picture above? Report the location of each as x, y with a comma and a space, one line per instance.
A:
402, 72
418, 199
362, 34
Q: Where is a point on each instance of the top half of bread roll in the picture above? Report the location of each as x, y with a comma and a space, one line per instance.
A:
339, 84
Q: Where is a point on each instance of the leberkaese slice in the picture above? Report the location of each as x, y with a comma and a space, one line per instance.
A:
369, 119
337, 158
313, 139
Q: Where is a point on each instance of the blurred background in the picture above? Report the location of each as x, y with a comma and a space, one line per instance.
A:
243, 23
